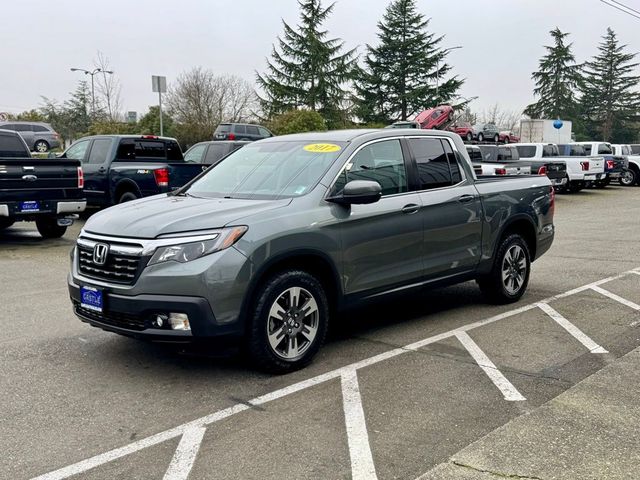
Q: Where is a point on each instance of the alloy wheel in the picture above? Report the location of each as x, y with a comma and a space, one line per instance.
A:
514, 269
293, 323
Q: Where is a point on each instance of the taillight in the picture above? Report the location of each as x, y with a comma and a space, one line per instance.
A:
552, 201
162, 177
610, 164
501, 171
585, 166
231, 136
542, 170
150, 136
80, 178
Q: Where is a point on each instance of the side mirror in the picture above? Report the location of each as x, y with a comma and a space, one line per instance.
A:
358, 192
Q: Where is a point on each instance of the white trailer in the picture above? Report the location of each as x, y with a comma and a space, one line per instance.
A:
543, 131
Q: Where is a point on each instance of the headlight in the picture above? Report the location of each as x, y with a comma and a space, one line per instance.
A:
190, 250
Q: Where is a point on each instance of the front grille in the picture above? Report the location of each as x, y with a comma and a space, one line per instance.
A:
123, 320
118, 267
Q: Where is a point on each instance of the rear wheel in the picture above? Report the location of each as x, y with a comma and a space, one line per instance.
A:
289, 322
509, 277
49, 228
469, 136
127, 197
506, 139
496, 138
628, 178
41, 146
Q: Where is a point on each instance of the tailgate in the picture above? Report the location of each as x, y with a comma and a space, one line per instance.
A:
596, 165
182, 173
38, 179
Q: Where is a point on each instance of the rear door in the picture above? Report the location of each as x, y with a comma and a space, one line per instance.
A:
252, 132
451, 211
96, 171
382, 243
26, 132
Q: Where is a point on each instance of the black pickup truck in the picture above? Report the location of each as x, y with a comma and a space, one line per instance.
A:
119, 168
47, 191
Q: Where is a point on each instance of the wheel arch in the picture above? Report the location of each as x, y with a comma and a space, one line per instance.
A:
123, 186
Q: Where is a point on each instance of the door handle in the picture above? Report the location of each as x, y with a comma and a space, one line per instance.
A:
411, 208
466, 198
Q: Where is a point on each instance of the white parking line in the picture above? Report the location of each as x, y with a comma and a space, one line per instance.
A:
101, 459
185, 455
572, 329
362, 467
510, 393
615, 297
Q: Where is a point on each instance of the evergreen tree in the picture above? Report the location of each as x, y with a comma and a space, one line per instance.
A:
406, 72
609, 98
556, 81
307, 70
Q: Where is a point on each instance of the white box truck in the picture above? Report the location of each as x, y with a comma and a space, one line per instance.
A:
543, 131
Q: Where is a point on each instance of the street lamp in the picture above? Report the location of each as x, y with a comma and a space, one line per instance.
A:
438, 70
93, 92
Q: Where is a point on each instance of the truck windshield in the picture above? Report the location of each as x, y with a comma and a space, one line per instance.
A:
268, 171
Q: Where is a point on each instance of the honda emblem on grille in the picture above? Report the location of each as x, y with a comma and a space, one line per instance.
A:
100, 252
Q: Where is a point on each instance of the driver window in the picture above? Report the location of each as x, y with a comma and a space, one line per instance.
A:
78, 150
380, 162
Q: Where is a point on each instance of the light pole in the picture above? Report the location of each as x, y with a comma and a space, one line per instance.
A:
93, 91
438, 71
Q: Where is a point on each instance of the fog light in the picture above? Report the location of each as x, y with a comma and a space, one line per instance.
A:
159, 321
179, 321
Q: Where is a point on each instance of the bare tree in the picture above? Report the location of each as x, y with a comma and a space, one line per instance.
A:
505, 119
199, 100
109, 90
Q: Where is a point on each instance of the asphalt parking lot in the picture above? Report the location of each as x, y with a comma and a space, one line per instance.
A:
397, 390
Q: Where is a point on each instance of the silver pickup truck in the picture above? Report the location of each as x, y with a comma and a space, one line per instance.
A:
270, 243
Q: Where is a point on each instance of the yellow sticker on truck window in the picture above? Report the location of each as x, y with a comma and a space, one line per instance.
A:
322, 148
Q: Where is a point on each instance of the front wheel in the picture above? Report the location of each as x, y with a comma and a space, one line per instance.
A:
289, 322
496, 138
469, 136
49, 228
506, 140
480, 137
628, 178
509, 277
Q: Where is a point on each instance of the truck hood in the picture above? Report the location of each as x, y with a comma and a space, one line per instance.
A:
164, 214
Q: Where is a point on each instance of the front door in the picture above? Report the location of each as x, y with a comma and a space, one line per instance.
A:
451, 210
382, 243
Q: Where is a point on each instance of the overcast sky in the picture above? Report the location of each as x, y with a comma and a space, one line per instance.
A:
502, 41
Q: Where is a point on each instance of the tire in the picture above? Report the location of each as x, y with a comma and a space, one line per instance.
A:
480, 137
49, 228
629, 178
271, 336
5, 223
506, 140
603, 183
127, 197
41, 146
496, 138
501, 290
469, 137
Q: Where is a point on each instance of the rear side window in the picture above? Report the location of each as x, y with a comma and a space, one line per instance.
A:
12, 146
432, 162
132, 148
550, 151
239, 129
604, 149
635, 149
99, 151
380, 162
217, 151
40, 128
21, 127
252, 130
526, 151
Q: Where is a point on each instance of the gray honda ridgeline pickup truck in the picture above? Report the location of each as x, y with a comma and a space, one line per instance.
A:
283, 233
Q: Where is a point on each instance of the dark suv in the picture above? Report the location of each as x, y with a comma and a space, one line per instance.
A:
241, 131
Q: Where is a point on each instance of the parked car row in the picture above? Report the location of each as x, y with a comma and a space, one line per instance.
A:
39, 136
